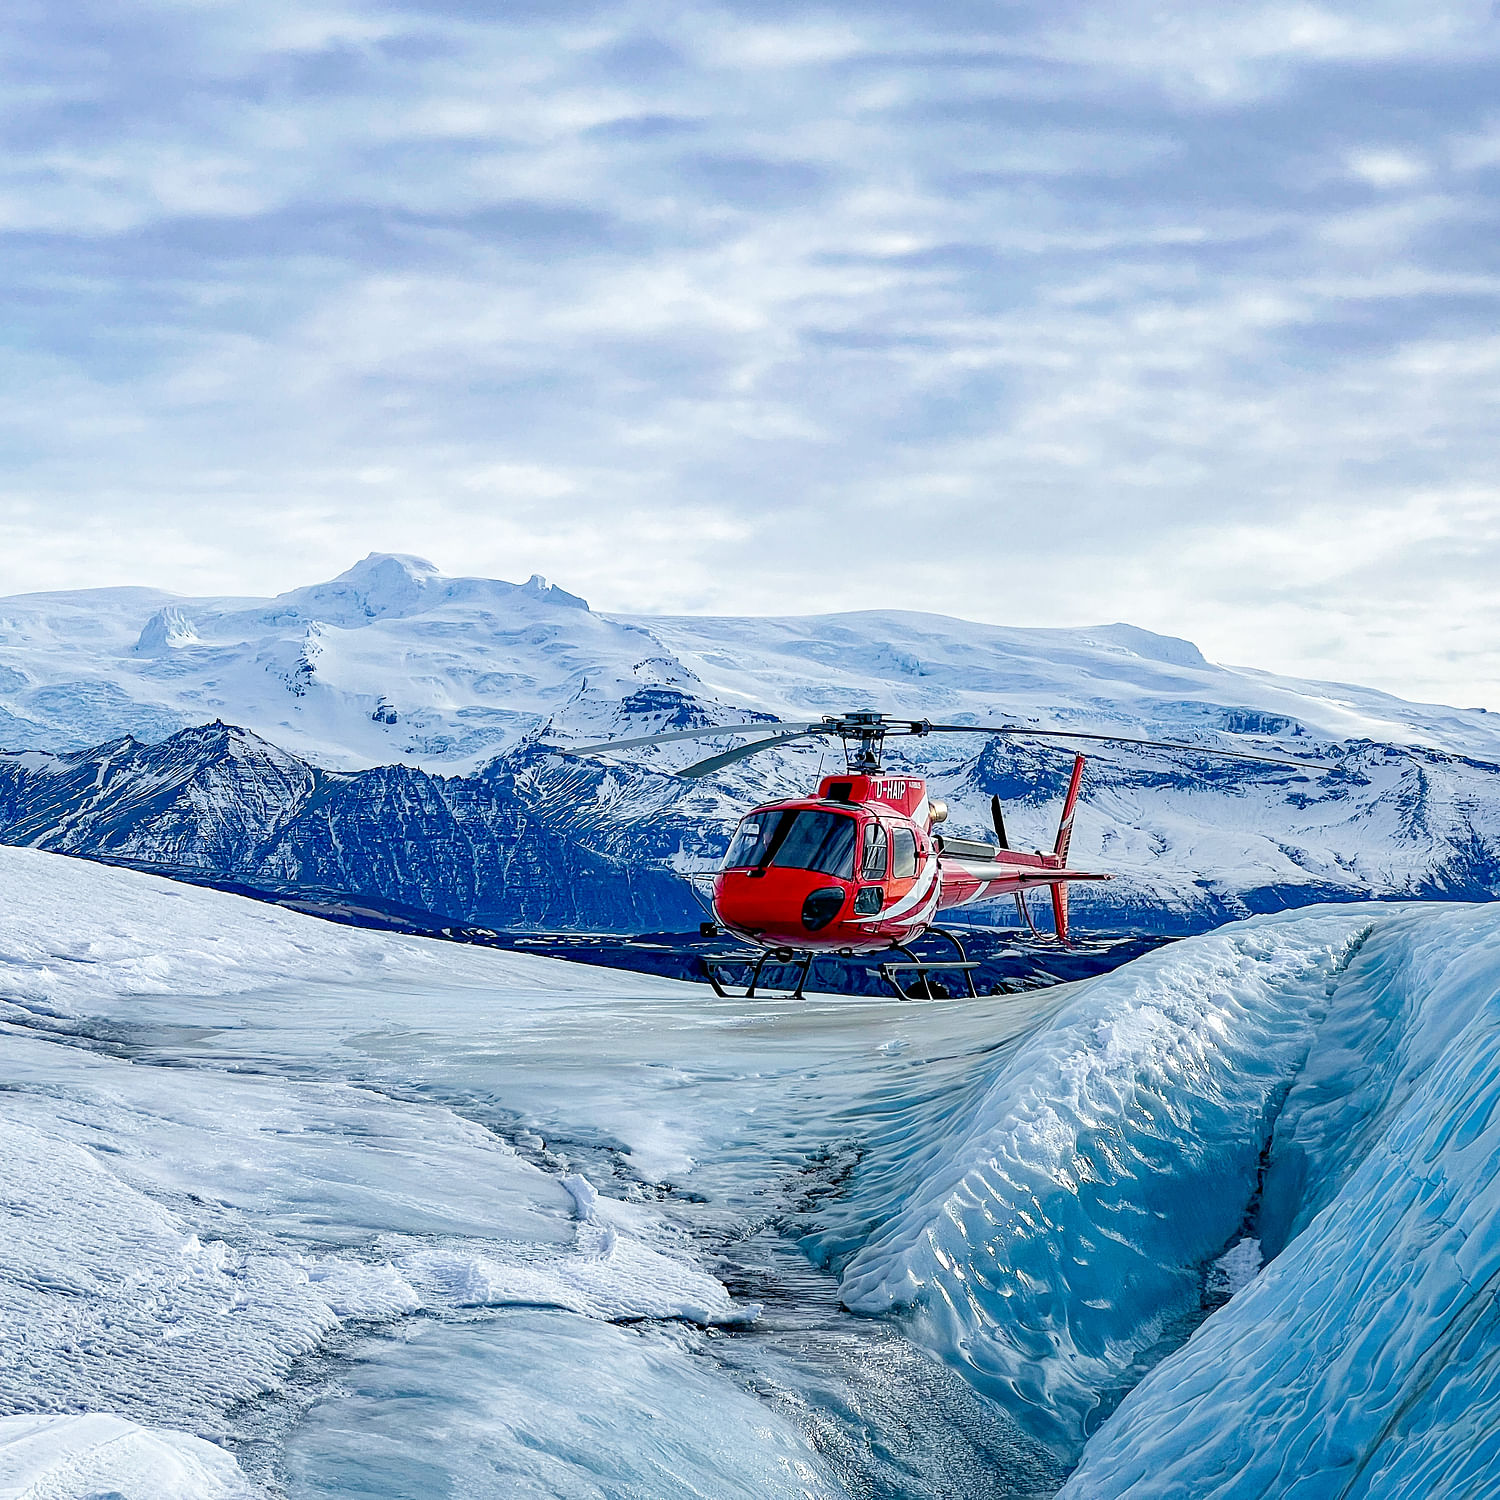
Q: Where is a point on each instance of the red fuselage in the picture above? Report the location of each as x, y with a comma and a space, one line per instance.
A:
857, 869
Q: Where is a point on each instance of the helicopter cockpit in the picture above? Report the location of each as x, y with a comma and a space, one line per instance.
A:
796, 839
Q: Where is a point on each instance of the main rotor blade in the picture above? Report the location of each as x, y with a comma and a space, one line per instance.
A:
743, 752
1017, 731
681, 734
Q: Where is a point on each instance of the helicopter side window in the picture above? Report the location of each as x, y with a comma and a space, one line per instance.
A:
872, 866
796, 840
904, 850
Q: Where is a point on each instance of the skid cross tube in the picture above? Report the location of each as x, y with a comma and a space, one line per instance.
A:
924, 969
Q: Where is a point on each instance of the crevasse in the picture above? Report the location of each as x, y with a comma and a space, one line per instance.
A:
1364, 1361
1058, 1237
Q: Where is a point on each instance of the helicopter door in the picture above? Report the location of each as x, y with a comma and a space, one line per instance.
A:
872, 863
903, 864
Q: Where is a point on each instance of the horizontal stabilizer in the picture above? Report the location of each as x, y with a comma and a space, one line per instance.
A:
1026, 874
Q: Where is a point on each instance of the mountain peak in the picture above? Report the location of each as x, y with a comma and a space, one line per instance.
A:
222, 737
169, 629
379, 586
395, 585
389, 567
538, 586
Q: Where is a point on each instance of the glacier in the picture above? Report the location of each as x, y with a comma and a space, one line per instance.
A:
1370, 1344
394, 662
265, 1168
305, 1210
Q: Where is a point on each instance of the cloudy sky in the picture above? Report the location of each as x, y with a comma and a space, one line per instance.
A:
1052, 311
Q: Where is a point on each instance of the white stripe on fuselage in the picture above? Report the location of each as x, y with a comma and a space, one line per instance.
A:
915, 896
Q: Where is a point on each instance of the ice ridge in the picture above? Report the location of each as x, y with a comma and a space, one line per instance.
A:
1364, 1361
1318, 1091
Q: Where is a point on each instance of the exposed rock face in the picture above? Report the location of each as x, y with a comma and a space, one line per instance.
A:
222, 801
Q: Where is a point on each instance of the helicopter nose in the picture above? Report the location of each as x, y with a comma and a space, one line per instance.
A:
783, 905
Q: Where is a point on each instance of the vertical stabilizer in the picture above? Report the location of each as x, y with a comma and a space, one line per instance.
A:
1060, 910
1060, 849
1070, 804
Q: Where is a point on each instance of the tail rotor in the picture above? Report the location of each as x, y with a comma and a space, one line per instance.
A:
997, 817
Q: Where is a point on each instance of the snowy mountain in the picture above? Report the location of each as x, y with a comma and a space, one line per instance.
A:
537, 840
391, 661
304, 1211
396, 724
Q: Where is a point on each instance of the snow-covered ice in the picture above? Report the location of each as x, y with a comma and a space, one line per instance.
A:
327, 1212
104, 1457
177, 1238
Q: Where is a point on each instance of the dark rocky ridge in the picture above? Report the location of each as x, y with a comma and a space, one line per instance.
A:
540, 842
220, 800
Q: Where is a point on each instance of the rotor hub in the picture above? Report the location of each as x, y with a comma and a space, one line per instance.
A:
863, 733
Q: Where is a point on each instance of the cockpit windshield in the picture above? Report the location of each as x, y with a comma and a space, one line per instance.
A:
796, 840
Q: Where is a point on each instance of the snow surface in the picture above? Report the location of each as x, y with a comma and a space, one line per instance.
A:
392, 661
381, 1217
139, 935
101, 1457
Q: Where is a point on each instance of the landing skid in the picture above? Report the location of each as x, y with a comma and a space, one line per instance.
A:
922, 969
911, 980
799, 962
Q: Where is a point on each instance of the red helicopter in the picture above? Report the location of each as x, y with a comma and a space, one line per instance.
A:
856, 867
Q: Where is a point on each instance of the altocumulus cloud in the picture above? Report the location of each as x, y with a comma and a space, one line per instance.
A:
1038, 312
